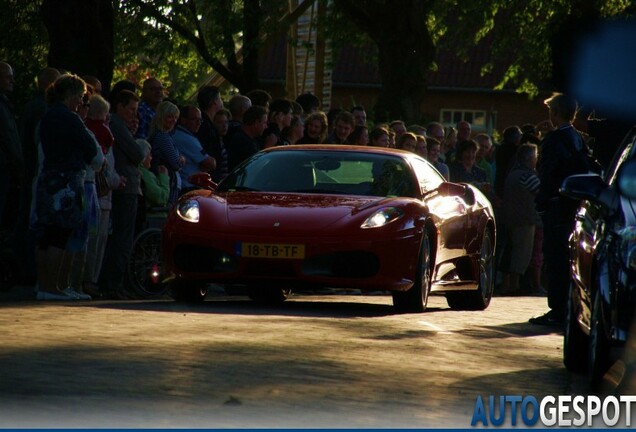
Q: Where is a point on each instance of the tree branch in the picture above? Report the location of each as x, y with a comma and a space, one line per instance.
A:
150, 11
227, 43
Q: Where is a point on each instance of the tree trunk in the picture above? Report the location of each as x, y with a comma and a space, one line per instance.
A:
405, 52
81, 37
252, 15
403, 75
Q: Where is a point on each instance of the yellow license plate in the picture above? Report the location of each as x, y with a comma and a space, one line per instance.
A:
269, 250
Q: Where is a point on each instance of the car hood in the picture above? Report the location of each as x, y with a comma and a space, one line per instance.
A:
291, 212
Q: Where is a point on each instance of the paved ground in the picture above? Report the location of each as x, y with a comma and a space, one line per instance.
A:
315, 361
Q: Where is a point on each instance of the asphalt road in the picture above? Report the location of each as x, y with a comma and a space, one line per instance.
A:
315, 361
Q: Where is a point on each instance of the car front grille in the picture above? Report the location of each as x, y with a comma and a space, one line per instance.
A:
353, 264
269, 268
200, 259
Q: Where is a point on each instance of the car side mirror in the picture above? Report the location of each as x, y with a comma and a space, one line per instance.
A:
627, 179
583, 187
203, 180
591, 187
463, 191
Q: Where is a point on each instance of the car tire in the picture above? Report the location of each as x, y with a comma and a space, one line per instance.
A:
269, 295
188, 291
415, 299
575, 341
599, 346
480, 298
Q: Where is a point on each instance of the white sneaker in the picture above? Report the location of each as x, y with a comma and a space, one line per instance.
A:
76, 295
45, 295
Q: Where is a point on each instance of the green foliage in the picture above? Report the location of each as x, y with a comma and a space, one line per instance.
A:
519, 32
180, 41
23, 44
341, 30
145, 47
184, 39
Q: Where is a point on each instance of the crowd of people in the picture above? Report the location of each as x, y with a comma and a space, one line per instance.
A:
86, 167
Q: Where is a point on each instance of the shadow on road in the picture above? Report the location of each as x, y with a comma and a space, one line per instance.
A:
525, 382
320, 307
509, 330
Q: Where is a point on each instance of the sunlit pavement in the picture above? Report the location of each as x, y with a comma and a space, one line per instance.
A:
314, 361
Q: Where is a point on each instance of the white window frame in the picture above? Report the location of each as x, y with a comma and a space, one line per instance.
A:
457, 115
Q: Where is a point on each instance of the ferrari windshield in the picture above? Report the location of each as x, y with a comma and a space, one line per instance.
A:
325, 172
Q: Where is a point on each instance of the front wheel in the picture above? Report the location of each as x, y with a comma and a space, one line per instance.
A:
188, 291
415, 299
480, 298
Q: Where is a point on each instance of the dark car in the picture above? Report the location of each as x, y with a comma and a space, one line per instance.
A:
334, 216
603, 263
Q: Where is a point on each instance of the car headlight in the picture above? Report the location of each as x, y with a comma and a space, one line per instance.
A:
189, 211
382, 217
